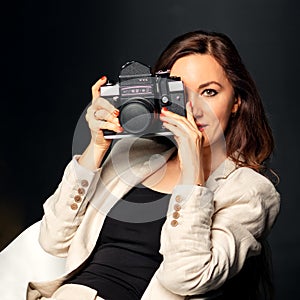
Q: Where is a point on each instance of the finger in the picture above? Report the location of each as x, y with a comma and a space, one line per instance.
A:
177, 131
96, 125
186, 140
178, 122
101, 103
166, 112
106, 116
188, 121
170, 114
96, 87
190, 115
101, 114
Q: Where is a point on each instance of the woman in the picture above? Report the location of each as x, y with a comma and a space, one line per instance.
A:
217, 208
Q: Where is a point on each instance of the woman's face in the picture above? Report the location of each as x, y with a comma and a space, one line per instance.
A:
209, 91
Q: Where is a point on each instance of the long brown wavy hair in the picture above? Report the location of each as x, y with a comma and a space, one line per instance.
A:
248, 136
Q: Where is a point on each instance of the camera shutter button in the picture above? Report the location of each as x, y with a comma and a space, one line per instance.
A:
164, 99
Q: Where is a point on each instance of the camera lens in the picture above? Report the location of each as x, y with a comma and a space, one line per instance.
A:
136, 115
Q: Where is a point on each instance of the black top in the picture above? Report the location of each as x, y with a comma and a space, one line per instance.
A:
127, 251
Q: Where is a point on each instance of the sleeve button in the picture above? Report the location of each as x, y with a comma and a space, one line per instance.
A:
81, 191
84, 183
176, 215
178, 198
74, 206
174, 223
177, 207
77, 198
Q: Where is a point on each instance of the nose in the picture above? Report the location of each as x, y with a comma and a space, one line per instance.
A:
197, 112
196, 104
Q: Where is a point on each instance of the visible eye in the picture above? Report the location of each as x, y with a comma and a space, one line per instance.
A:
209, 92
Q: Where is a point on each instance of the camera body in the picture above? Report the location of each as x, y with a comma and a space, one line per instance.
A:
140, 96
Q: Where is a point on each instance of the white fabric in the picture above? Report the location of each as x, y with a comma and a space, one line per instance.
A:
24, 260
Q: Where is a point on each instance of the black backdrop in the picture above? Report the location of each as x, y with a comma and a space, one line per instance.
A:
53, 51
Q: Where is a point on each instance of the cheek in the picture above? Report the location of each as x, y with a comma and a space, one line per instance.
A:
222, 114
218, 121
224, 119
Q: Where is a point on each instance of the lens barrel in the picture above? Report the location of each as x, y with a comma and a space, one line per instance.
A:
136, 116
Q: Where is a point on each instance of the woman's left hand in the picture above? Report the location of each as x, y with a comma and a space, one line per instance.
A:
189, 142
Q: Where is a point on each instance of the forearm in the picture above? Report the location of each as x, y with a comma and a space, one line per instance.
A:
65, 209
216, 232
185, 241
93, 156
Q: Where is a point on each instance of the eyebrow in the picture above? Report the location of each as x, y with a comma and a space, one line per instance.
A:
203, 85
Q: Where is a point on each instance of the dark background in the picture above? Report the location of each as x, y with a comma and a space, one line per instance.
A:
53, 51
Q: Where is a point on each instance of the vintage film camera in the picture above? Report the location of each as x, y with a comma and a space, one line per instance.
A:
140, 97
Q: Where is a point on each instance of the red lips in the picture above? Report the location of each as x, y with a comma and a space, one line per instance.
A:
201, 127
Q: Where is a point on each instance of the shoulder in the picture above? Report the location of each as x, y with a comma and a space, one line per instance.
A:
245, 180
250, 197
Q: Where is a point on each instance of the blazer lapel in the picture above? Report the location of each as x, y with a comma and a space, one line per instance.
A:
130, 162
222, 172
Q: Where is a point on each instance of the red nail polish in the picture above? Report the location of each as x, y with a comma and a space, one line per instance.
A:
164, 109
116, 113
103, 78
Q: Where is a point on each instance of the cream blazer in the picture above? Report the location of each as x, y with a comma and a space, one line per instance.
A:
219, 227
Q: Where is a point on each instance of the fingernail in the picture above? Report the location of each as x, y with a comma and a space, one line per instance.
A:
120, 129
116, 113
103, 78
164, 109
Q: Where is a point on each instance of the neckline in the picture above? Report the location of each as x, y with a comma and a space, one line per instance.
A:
150, 189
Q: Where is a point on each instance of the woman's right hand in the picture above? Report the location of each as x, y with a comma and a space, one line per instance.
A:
101, 115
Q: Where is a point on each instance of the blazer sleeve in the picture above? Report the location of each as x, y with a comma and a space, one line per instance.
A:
65, 209
204, 243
